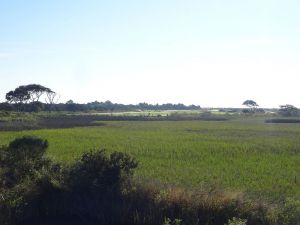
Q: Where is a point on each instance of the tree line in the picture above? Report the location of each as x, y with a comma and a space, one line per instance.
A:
28, 98
36, 97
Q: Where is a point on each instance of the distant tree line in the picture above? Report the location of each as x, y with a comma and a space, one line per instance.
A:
27, 98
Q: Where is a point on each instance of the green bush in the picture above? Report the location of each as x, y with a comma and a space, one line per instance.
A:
22, 167
97, 171
21, 160
31, 186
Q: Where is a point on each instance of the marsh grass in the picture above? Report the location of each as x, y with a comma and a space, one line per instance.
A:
252, 157
190, 172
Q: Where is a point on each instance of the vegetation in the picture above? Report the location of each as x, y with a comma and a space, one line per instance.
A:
250, 103
288, 110
252, 107
29, 181
91, 106
283, 120
240, 155
26, 98
27, 121
97, 189
195, 167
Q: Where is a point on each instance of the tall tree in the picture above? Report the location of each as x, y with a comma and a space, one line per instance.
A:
51, 99
251, 104
36, 91
25, 93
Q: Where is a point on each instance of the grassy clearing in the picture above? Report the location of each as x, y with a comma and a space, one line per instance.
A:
248, 156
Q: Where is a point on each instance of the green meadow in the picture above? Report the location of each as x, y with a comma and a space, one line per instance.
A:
247, 155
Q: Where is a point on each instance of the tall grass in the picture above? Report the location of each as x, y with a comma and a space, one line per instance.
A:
190, 173
250, 156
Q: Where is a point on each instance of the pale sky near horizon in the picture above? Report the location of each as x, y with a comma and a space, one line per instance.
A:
210, 53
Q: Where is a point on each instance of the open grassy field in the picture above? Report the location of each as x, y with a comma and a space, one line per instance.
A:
243, 155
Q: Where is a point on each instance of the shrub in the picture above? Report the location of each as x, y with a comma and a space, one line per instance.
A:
97, 171
21, 159
32, 186
22, 166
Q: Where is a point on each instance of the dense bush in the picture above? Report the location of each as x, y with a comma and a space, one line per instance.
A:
96, 171
21, 160
31, 185
23, 168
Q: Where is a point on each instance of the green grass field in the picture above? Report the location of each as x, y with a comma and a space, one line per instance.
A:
248, 156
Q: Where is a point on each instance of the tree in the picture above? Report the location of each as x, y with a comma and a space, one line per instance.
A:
24, 93
70, 102
52, 98
288, 110
251, 104
36, 91
71, 106
19, 95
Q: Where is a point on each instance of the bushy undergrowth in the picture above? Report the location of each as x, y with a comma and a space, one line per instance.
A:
98, 188
34, 187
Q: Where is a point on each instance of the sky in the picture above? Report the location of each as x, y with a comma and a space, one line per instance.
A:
210, 53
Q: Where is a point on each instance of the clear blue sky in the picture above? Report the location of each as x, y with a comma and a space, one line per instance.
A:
213, 53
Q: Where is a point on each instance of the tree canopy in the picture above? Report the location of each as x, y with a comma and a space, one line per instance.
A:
19, 95
250, 104
27, 93
288, 110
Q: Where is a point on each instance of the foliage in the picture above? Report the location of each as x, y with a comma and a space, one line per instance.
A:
22, 95
22, 169
97, 171
21, 159
237, 221
19, 95
28, 179
107, 106
288, 110
246, 155
19, 98
97, 188
167, 221
289, 213
250, 103
35, 91
247, 111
